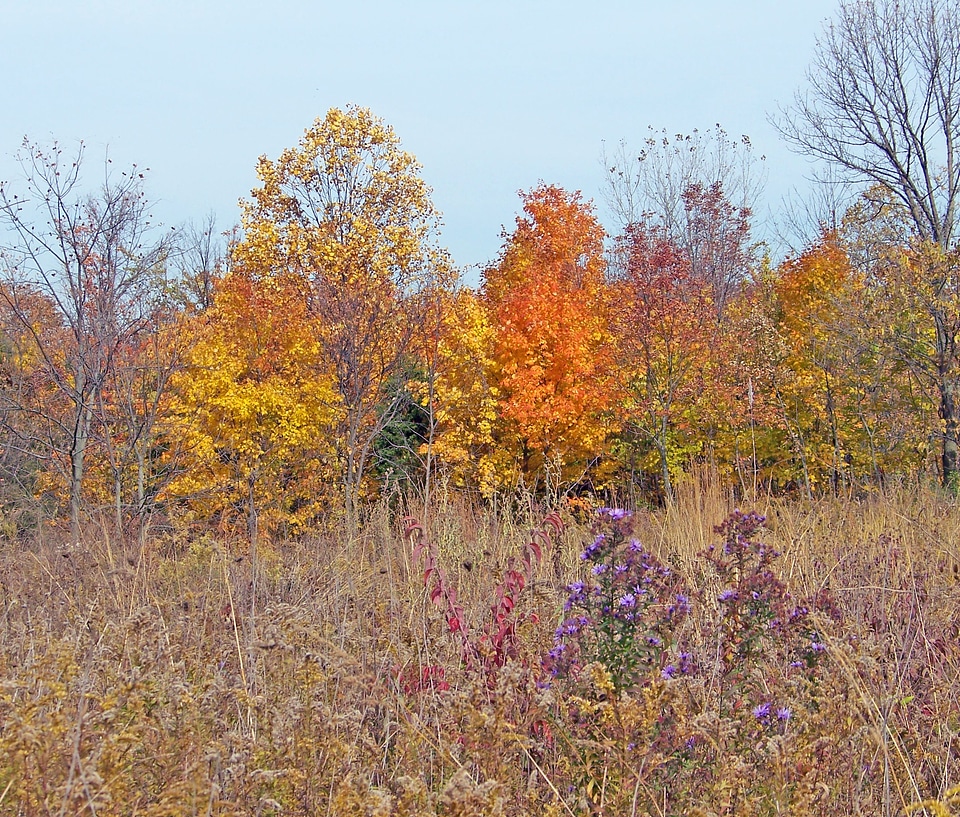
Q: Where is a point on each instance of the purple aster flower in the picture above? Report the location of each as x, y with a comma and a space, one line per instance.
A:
669, 671
682, 604
761, 712
627, 601
783, 714
729, 595
616, 514
593, 548
798, 613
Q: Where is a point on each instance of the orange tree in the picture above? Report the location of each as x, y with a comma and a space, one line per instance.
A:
545, 298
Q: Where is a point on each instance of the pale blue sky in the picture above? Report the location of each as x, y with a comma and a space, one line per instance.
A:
491, 96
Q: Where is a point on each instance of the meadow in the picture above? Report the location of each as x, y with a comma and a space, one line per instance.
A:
488, 660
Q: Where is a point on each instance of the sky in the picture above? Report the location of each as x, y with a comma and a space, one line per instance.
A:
491, 96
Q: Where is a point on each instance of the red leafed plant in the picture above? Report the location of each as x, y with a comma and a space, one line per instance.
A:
492, 644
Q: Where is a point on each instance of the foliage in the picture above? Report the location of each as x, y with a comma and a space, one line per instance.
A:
471, 440
252, 408
489, 646
397, 458
345, 219
545, 297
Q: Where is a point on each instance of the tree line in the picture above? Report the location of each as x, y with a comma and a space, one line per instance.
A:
327, 351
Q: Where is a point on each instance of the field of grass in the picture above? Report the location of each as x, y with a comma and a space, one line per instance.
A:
616, 666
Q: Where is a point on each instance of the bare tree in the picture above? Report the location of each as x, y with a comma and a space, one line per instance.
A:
882, 103
90, 260
202, 259
699, 190
652, 180
803, 219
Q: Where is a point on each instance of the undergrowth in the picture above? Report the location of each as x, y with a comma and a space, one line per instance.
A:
695, 661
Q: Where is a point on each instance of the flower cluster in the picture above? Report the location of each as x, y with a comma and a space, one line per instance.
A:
624, 613
759, 621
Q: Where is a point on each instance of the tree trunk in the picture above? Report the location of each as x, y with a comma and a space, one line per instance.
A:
951, 426
664, 461
77, 452
946, 384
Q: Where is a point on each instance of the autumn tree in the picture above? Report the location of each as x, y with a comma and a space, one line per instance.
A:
816, 382
546, 296
666, 331
347, 216
882, 103
471, 437
697, 190
899, 295
96, 260
129, 414
30, 405
251, 409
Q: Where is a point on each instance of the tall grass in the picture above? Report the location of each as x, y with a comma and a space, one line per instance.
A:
150, 681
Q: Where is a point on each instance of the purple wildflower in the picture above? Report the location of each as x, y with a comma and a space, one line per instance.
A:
680, 607
616, 514
762, 712
593, 548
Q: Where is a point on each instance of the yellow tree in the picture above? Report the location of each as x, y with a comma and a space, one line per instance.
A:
814, 388
546, 303
466, 399
251, 413
347, 219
